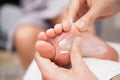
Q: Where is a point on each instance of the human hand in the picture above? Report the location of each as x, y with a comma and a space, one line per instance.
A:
79, 70
87, 11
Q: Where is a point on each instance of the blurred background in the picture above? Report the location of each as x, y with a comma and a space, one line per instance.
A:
10, 66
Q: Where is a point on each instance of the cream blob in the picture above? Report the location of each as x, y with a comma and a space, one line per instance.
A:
102, 49
64, 52
65, 46
89, 47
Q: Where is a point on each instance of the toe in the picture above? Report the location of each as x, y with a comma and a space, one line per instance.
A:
42, 36
58, 28
45, 49
50, 33
66, 25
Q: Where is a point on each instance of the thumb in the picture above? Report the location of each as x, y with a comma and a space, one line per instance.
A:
45, 65
76, 55
73, 9
88, 19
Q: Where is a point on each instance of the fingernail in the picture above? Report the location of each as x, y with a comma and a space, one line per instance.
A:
38, 43
81, 24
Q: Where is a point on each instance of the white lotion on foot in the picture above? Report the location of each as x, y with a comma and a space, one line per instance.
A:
64, 52
65, 45
102, 49
88, 47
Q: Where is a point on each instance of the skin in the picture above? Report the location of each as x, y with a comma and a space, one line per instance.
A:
94, 11
48, 45
25, 45
78, 71
87, 11
91, 14
25, 38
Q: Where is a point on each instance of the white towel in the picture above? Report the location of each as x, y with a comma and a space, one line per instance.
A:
103, 69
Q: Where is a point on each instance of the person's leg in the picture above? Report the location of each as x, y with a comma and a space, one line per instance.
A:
25, 38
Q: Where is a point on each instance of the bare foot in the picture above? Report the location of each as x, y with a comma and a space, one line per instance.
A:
56, 44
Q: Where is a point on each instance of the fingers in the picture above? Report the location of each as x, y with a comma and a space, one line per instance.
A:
88, 19
73, 9
45, 65
76, 55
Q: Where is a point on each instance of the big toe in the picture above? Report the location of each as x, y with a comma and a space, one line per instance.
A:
45, 49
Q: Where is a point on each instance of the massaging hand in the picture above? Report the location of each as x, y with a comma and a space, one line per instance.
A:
79, 70
89, 10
